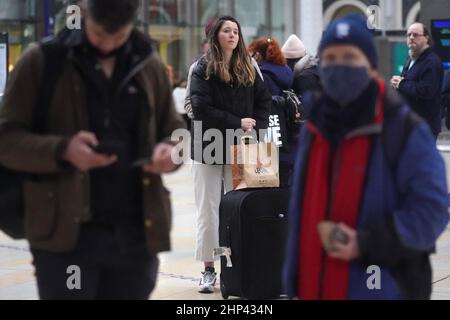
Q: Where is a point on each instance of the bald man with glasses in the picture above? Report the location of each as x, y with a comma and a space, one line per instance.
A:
421, 79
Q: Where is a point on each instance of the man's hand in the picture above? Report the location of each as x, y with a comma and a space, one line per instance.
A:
80, 154
248, 124
395, 81
349, 251
161, 161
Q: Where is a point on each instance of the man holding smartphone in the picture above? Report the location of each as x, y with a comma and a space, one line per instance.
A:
87, 205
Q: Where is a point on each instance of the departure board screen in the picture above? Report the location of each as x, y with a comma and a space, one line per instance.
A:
3, 61
440, 30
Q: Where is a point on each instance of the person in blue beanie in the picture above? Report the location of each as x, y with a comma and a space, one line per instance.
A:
369, 197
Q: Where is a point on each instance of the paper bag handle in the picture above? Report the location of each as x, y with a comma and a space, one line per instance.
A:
246, 139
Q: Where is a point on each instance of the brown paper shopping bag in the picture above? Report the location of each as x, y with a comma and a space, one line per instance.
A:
255, 165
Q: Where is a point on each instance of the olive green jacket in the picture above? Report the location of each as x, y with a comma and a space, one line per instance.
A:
57, 202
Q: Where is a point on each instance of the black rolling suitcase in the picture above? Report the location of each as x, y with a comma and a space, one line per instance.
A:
253, 231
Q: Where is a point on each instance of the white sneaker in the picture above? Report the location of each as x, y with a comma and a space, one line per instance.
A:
207, 282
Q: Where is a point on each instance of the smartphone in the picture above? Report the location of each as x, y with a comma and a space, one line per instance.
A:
330, 233
339, 236
141, 162
109, 147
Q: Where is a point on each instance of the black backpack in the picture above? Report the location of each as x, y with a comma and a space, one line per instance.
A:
287, 105
293, 106
12, 212
399, 123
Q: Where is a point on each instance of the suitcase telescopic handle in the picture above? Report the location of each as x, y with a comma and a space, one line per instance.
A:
247, 139
224, 252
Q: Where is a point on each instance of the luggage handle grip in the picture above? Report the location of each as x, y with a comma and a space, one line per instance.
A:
224, 252
247, 139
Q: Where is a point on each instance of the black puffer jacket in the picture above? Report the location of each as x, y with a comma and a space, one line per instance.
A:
219, 105
306, 75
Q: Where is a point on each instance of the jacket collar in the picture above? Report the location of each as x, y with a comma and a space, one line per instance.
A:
407, 65
138, 44
363, 122
424, 54
308, 61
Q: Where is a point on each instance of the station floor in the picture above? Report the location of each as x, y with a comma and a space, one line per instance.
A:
179, 273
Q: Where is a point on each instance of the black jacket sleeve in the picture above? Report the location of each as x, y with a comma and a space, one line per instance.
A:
381, 245
446, 98
308, 80
262, 104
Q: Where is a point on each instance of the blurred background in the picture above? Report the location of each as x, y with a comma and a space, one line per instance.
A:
177, 26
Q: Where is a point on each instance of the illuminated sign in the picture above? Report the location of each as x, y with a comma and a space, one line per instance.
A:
440, 31
3, 61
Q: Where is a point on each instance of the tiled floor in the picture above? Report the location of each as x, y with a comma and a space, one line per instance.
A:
179, 273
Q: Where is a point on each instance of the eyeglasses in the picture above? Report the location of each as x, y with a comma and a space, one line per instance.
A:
414, 35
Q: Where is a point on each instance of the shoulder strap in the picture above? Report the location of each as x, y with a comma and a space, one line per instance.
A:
54, 58
280, 85
258, 70
397, 127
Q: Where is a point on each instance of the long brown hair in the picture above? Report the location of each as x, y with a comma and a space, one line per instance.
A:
240, 69
269, 49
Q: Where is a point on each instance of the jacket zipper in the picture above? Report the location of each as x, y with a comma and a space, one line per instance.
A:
122, 84
131, 74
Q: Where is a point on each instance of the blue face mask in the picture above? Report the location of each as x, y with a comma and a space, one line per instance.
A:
344, 84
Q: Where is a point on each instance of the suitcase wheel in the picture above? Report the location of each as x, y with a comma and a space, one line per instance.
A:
223, 291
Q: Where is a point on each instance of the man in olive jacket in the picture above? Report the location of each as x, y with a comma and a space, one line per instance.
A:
93, 214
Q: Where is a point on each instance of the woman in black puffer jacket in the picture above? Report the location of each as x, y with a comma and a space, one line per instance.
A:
226, 95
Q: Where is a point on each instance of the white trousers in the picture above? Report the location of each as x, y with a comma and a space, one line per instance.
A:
208, 182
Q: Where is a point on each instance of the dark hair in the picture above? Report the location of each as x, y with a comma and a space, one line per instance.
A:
426, 33
209, 26
113, 14
240, 69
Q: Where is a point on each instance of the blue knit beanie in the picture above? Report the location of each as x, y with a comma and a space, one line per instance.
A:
351, 29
